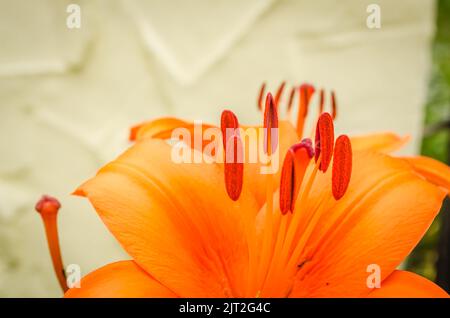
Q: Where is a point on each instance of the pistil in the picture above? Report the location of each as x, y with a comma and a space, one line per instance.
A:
48, 208
270, 147
324, 140
294, 167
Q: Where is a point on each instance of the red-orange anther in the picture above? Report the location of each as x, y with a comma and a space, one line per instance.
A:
342, 166
47, 205
261, 96
279, 93
324, 140
270, 125
234, 167
306, 92
228, 124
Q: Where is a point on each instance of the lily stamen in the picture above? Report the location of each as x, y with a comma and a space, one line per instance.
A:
234, 163
261, 96
321, 101
294, 167
270, 126
291, 101
279, 93
305, 92
333, 105
48, 208
323, 154
342, 166
324, 140
234, 167
287, 233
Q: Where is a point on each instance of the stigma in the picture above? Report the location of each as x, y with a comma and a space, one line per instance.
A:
48, 208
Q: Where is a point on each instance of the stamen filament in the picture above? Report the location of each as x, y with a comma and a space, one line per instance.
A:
270, 126
229, 125
277, 252
343, 216
301, 116
293, 226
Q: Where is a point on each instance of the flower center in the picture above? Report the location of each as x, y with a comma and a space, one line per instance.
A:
283, 248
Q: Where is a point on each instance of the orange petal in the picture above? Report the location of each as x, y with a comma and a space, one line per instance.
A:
385, 212
122, 279
380, 142
161, 128
434, 171
402, 284
175, 220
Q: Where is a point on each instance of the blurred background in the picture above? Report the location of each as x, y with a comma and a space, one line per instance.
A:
69, 95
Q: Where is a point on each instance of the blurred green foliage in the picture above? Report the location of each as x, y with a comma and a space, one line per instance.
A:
437, 136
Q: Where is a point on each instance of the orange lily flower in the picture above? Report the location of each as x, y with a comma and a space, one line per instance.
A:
225, 230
